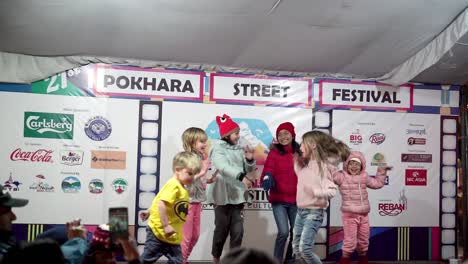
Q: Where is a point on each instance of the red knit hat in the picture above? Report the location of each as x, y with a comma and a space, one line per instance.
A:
288, 127
226, 125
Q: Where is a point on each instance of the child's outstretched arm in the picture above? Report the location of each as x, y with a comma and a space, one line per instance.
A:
337, 175
378, 181
266, 179
329, 188
220, 161
250, 164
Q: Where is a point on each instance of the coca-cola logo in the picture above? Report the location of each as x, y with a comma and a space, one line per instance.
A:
40, 155
377, 138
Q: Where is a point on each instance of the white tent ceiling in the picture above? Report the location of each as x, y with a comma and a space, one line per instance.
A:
363, 38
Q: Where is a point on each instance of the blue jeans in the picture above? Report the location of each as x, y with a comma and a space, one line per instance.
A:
155, 248
308, 222
285, 214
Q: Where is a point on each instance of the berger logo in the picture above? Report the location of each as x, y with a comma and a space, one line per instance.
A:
418, 132
40, 185
119, 185
71, 157
355, 138
389, 208
416, 141
115, 160
408, 157
71, 184
11, 185
98, 128
96, 186
377, 138
378, 160
48, 125
181, 209
40, 155
416, 177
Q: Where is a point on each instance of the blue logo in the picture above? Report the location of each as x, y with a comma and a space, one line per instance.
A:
71, 184
98, 128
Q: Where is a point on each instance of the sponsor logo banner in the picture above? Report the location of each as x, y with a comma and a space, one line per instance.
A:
378, 160
393, 208
11, 184
71, 184
416, 141
119, 185
355, 138
416, 177
71, 157
98, 128
48, 125
377, 138
103, 159
419, 132
41, 185
40, 155
407, 157
96, 186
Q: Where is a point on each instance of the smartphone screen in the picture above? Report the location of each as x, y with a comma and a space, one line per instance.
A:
118, 223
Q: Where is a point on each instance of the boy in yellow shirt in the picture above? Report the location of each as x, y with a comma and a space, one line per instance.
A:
169, 210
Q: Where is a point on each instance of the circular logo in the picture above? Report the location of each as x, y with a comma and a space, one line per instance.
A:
96, 186
119, 185
181, 209
98, 128
71, 184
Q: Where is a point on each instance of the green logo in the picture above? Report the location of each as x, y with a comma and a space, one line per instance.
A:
48, 125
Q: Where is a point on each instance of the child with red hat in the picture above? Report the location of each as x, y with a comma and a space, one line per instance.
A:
280, 180
229, 192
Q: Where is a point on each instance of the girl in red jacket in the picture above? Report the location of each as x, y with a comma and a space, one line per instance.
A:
279, 178
353, 182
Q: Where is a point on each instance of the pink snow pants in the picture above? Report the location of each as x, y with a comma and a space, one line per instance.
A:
356, 232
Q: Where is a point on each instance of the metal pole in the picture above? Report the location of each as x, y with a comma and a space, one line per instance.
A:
464, 166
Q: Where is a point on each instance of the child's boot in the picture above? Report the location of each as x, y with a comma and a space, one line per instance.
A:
363, 259
345, 260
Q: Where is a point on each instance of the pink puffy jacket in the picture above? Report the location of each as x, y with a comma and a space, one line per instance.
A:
353, 189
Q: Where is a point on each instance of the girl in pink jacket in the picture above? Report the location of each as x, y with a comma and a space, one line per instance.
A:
353, 182
315, 188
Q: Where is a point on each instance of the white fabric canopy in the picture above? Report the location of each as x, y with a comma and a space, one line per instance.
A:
358, 39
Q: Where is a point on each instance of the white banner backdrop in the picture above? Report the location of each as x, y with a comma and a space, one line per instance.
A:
411, 144
72, 157
258, 126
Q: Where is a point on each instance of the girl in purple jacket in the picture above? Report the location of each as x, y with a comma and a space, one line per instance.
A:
353, 182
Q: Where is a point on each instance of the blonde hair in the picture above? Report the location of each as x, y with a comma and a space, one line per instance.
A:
187, 160
327, 149
190, 136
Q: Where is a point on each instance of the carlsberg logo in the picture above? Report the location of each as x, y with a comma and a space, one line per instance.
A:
48, 125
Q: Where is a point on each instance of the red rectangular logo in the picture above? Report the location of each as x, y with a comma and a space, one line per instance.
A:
416, 177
